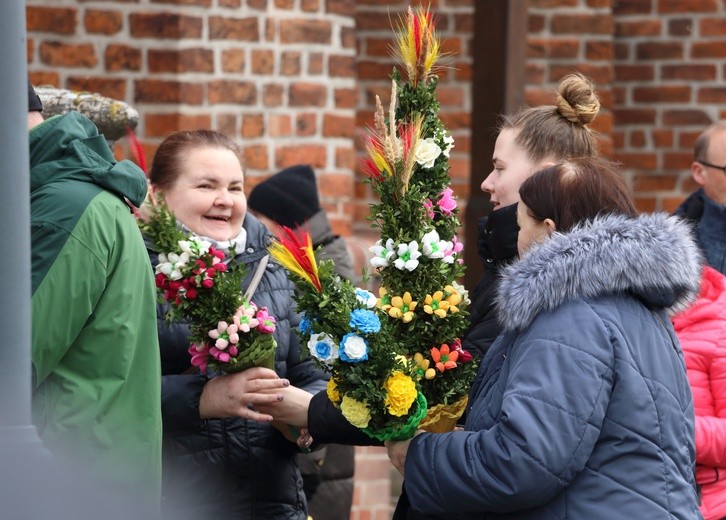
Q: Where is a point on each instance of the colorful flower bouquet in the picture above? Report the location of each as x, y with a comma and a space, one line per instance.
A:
418, 256
227, 332
373, 386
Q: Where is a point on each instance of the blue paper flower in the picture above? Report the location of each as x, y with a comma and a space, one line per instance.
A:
353, 348
365, 321
367, 298
305, 326
323, 347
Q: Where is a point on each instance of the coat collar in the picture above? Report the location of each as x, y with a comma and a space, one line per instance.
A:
652, 256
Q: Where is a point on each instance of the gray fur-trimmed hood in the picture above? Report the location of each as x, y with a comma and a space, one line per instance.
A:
652, 256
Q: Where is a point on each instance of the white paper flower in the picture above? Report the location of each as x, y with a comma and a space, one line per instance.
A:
408, 255
462, 292
449, 140
367, 298
353, 348
427, 151
382, 255
323, 347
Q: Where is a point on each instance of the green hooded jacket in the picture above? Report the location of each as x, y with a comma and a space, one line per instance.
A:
96, 377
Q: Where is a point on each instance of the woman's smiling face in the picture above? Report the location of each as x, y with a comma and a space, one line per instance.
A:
208, 196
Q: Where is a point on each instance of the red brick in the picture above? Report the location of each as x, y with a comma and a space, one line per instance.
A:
662, 138
374, 70
284, 4
312, 154
308, 94
712, 95
688, 139
256, 157
342, 66
315, 63
645, 161
456, 120
270, 30
663, 93
599, 50
345, 158
622, 51
638, 27
44, 79
450, 97
659, 50
310, 5
228, 91
262, 62
102, 22
203, 3
535, 23
685, 117
165, 25
678, 160
338, 126
581, 24
689, 72
231, 4
302, 30
463, 24
645, 204
623, 7
241, 29
234, 60
550, 48
158, 91
345, 97
709, 49
51, 19
226, 124
257, 4
462, 71
680, 6
342, 7
634, 72
713, 27
161, 125
272, 95
253, 125
680, 27
337, 186
280, 125
121, 57
599, 3
534, 73
372, 21
290, 64
637, 139
306, 124
68, 55
548, 4
180, 61
109, 87
600, 74
348, 37
629, 116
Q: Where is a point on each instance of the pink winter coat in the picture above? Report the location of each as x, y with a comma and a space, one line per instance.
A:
701, 330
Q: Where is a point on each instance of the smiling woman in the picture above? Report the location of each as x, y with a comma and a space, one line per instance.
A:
218, 448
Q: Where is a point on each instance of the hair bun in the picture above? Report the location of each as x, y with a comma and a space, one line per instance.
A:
576, 99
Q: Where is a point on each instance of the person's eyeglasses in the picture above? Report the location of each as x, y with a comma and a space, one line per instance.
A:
722, 168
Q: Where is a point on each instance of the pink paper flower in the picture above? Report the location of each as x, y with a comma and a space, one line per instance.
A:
447, 202
429, 207
199, 355
267, 322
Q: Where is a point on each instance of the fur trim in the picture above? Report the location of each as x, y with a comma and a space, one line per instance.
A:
652, 255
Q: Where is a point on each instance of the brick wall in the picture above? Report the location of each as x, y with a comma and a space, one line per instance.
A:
278, 75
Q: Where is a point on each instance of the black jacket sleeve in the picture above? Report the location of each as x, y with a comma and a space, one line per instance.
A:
328, 426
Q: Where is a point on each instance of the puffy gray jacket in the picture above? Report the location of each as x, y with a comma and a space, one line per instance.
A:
233, 468
582, 408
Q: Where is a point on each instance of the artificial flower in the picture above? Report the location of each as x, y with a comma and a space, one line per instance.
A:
267, 322
400, 393
199, 353
436, 304
447, 202
427, 152
429, 207
402, 307
433, 247
444, 358
408, 255
353, 348
332, 391
382, 255
364, 321
453, 298
384, 302
464, 355
461, 291
367, 298
449, 142
245, 318
323, 347
305, 326
356, 412
423, 368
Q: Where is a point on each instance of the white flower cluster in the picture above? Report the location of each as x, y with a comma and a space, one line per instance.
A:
406, 255
427, 151
172, 264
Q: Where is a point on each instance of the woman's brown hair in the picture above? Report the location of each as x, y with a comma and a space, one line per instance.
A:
559, 131
575, 191
173, 150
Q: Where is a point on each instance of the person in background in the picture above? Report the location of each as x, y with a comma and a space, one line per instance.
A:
581, 408
222, 458
95, 356
701, 329
290, 198
706, 207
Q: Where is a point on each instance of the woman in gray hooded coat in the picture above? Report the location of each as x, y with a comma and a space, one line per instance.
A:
581, 408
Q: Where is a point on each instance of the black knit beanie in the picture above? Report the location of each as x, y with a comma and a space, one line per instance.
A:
288, 198
34, 104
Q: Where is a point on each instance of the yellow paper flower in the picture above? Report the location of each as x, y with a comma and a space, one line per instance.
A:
423, 366
332, 391
400, 393
436, 304
357, 413
402, 307
384, 302
453, 297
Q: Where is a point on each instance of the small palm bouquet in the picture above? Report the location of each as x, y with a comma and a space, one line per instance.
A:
374, 387
228, 332
418, 256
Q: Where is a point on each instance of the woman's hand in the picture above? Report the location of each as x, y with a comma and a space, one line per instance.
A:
238, 394
292, 409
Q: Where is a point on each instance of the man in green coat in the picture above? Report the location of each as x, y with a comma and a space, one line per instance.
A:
96, 369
